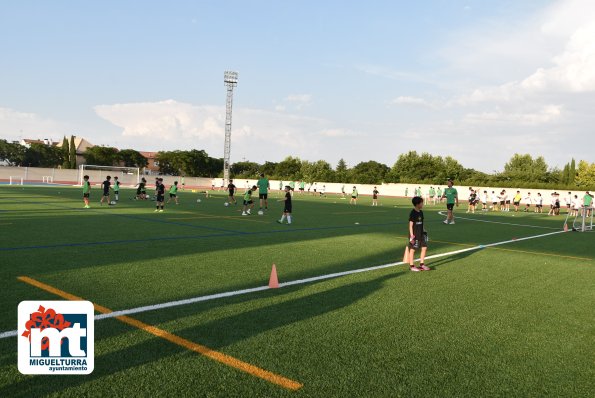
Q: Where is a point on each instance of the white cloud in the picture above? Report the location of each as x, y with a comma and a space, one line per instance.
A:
415, 101
301, 98
546, 114
16, 124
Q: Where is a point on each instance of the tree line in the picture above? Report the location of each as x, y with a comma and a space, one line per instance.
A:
411, 167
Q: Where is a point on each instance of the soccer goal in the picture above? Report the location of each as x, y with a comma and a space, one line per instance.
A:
126, 175
13, 180
583, 220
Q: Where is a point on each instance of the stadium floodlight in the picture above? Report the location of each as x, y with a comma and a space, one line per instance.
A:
230, 79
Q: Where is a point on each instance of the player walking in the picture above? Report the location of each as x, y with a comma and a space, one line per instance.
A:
354, 195
231, 188
159, 194
106, 187
116, 188
173, 193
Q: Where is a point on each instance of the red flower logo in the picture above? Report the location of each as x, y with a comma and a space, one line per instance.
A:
43, 319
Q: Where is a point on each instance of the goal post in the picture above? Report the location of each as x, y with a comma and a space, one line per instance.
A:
126, 175
15, 180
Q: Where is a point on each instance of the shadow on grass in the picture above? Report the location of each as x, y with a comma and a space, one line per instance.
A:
216, 334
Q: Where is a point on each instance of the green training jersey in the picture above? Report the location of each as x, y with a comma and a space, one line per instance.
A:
173, 189
451, 194
263, 185
292, 184
354, 193
248, 195
86, 187
302, 185
439, 192
280, 185
116, 186
587, 200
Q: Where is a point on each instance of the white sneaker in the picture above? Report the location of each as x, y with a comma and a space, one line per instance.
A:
452, 222
445, 221
160, 211
244, 213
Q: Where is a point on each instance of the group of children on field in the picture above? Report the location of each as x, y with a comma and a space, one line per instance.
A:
141, 192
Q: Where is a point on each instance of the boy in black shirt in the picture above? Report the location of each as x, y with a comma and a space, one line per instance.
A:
106, 187
232, 189
160, 193
287, 207
418, 238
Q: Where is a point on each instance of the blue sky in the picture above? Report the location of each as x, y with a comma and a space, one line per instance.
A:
475, 80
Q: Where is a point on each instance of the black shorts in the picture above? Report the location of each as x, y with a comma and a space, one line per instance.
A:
419, 242
116, 192
508, 202
450, 206
105, 193
248, 202
172, 195
374, 197
263, 196
301, 189
160, 198
291, 189
143, 192
539, 206
231, 193
517, 203
354, 197
287, 209
85, 195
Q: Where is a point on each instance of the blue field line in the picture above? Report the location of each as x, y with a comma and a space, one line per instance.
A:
172, 238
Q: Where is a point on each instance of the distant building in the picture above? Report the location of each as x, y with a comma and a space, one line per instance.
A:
26, 142
152, 163
81, 146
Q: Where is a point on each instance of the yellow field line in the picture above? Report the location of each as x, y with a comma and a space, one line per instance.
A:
517, 250
198, 348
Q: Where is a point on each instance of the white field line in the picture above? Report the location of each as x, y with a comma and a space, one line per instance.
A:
443, 213
192, 300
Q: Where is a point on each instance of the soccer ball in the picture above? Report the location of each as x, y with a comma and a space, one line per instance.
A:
260, 212
226, 204
198, 200
113, 202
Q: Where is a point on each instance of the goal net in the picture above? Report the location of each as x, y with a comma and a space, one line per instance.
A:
128, 176
582, 221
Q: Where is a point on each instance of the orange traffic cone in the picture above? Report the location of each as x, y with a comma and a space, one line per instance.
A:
565, 227
406, 255
273, 280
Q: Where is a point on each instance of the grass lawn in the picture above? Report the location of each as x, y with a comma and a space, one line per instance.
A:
511, 320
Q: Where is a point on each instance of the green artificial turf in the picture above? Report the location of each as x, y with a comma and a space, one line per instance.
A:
514, 320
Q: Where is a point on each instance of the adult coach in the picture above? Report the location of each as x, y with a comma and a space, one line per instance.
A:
452, 199
263, 191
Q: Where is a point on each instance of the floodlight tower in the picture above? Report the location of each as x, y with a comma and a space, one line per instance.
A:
230, 79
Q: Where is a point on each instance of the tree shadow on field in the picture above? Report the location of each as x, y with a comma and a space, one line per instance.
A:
215, 334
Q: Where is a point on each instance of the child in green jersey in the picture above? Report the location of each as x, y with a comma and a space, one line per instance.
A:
116, 188
248, 202
86, 191
354, 195
173, 193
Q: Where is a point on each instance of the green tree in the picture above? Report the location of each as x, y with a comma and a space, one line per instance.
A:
12, 153
341, 171
65, 154
289, 169
41, 155
585, 178
101, 156
320, 170
132, 158
370, 172
269, 169
245, 169
572, 172
72, 153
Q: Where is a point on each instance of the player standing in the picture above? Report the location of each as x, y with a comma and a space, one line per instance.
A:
86, 191
287, 207
302, 187
263, 191
116, 188
159, 194
375, 197
517, 201
588, 204
106, 187
418, 238
452, 199
527, 201
354, 195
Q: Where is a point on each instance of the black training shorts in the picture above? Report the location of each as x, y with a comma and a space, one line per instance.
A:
450, 206
263, 196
